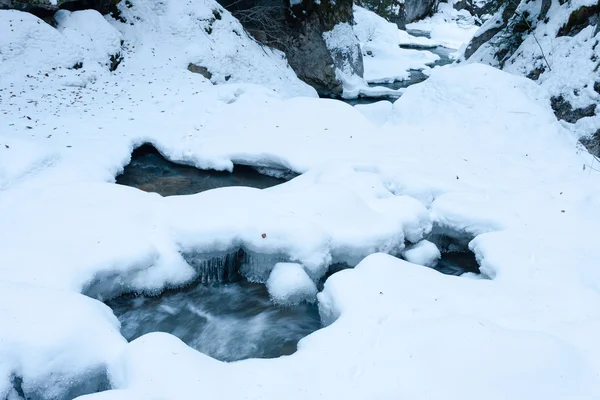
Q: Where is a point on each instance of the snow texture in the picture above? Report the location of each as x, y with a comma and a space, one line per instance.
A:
448, 27
290, 285
472, 150
422, 253
383, 58
567, 65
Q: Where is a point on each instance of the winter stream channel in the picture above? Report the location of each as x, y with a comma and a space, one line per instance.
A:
415, 75
222, 314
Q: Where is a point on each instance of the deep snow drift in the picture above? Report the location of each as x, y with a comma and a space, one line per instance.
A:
472, 151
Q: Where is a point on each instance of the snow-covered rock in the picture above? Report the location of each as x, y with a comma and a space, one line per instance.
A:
289, 285
99, 41
29, 45
422, 253
558, 49
54, 344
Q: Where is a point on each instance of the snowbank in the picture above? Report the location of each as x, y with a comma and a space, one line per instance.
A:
417, 324
54, 344
289, 285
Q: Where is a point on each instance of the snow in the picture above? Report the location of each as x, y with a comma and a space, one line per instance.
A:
566, 62
378, 113
472, 150
422, 253
289, 285
41, 345
448, 27
89, 30
383, 59
28, 44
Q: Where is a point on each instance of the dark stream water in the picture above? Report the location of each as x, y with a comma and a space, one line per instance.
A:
151, 172
228, 321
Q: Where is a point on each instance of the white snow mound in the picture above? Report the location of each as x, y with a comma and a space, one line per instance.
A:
422, 253
290, 285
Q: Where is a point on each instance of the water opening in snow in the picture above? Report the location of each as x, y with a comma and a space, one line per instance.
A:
457, 263
456, 257
151, 172
228, 321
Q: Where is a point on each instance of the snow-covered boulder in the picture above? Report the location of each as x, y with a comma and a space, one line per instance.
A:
54, 344
98, 39
422, 253
289, 285
29, 45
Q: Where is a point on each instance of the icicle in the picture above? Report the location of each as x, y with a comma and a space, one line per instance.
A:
216, 266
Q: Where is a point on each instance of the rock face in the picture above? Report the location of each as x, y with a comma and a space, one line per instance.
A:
45, 8
417, 9
401, 13
592, 143
297, 28
565, 111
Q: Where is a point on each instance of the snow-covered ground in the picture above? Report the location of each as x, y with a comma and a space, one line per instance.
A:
472, 151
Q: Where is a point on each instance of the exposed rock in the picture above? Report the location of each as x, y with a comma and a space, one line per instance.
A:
44, 8
592, 144
597, 87
417, 9
535, 73
297, 28
544, 9
495, 26
580, 19
563, 110
198, 69
401, 12
399, 17
479, 9
310, 58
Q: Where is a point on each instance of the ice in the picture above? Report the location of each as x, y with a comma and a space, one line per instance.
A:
289, 285
422, 253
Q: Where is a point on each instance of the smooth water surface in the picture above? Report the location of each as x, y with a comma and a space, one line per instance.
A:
151, 172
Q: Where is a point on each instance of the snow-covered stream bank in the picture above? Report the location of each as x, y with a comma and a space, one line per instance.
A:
472, 151
222, 314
